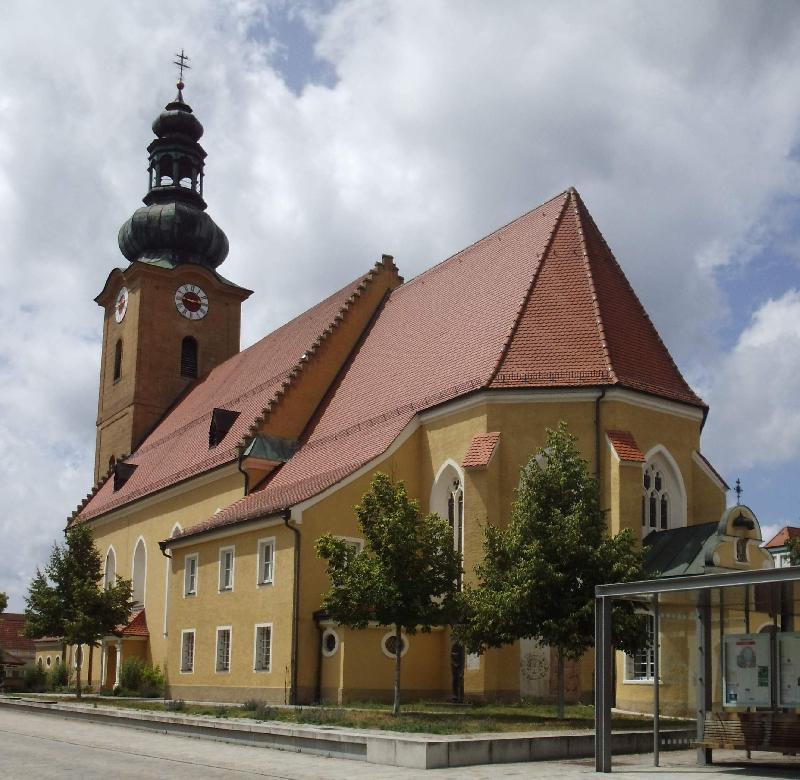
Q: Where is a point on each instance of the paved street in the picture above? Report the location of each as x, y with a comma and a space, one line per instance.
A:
34, 747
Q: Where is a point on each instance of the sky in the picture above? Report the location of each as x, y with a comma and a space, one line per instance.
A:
337, 131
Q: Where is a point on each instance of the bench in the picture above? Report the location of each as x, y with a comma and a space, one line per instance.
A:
776, 732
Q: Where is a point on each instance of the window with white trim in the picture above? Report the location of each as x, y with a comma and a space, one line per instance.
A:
190, 575
266, 561
641, 666
662, 496
187, 650
263, 648
223, 649
226, 557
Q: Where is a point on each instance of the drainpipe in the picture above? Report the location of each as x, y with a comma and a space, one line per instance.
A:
244, 473
287, 515
163, 547
597, 443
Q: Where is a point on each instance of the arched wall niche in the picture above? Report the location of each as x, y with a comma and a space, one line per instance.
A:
110, 567
139, 572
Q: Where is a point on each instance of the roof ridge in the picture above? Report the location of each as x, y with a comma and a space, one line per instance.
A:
529, 290
575, 198
639, 304
386, 262
480, 240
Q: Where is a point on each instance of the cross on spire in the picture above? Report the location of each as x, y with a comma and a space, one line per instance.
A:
738, 490
181, 63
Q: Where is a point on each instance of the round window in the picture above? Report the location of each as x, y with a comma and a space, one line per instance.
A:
389, 645
330, 642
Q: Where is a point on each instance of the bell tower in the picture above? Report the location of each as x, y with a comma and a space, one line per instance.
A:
169, 316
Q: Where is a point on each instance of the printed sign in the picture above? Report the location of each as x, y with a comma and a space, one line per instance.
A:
748, 670
788, 670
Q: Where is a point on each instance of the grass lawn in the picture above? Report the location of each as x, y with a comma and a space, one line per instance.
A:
418, 717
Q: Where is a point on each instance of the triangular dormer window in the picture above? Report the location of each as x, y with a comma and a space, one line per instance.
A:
221, 422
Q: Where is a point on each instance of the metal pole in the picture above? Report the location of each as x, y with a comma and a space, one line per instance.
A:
656, 676
603, 662
704, 755
747, 631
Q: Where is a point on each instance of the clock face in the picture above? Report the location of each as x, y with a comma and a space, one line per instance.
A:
191, 302
121, 304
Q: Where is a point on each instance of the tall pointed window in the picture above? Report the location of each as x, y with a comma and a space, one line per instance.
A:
662, 506
189, 357
118, 360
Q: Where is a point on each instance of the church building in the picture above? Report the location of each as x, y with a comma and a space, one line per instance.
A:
216, 470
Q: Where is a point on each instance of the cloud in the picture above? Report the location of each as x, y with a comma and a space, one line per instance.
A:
754, 391
419, 127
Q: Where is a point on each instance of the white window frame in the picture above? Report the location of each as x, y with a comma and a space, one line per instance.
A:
223, 551
217, 670
355, 541
196, 558
255, 646
268, 541
193, 632
650, 662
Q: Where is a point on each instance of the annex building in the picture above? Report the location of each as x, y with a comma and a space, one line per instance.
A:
217, 469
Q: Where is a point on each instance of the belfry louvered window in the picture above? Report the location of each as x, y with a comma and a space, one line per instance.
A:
189, 357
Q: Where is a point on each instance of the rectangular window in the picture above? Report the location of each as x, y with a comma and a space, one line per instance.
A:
266, 561
190, 576
226, 568
354, 545
187, 651
641, 666
223, 649
263, 648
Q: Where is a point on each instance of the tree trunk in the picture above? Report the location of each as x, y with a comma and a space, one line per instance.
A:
561, 684
89, 669
397, 651
78, 659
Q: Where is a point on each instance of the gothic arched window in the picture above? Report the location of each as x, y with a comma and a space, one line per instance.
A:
118, 360
447, 500
662, 492
189, 357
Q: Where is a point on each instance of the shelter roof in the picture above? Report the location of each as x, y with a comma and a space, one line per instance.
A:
136, 626
481, 450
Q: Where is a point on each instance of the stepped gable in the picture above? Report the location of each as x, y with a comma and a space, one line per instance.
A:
248, 382
582, 323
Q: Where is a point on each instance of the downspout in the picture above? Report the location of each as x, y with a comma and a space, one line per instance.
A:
597, 440
244, 473
287, 515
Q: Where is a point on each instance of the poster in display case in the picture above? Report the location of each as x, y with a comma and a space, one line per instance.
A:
748, 670
789, 670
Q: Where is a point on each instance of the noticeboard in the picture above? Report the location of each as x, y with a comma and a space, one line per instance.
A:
788, 670
748, 670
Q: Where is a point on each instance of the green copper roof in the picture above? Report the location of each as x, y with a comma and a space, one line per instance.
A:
679, 550
271, 448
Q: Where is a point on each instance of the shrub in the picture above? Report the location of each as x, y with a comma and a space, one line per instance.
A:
264, 712
174, 705
58, 677
152, 682
130, 675
251, 705
35, 678
220, 712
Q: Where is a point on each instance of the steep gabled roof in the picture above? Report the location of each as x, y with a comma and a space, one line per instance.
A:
540, 302
783, 537
248, 383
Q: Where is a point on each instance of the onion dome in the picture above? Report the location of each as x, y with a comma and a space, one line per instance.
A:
173, 226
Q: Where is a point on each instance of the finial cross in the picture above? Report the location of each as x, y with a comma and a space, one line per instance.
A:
738, 490
181, 63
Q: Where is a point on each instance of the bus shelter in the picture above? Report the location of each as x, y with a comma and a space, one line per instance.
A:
726, 645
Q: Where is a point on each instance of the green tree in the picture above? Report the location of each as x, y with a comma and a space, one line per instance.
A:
794, 551
67, 600
405, 575
3, 602
538, 575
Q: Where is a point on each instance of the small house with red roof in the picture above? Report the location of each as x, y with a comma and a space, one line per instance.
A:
217, 469
779, 545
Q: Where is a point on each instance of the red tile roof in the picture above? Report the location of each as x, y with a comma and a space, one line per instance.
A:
12, 637
625, 446
540, 302
247, 383
781, 539
137, 625
481, 450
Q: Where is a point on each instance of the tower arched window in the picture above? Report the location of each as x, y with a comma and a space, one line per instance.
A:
111, 568
662, 494
189, 357
166, 171
118, 360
